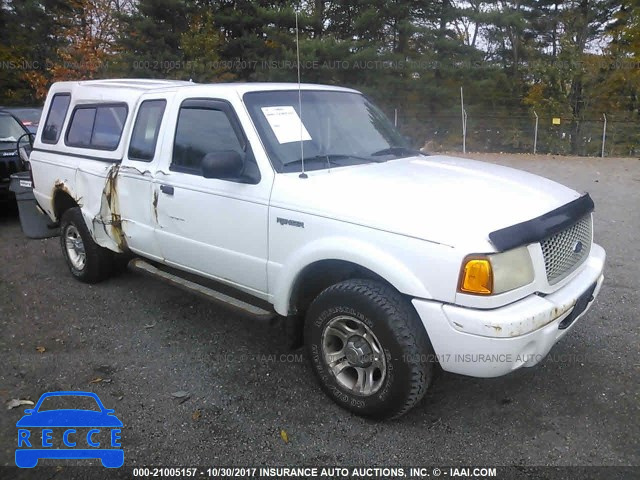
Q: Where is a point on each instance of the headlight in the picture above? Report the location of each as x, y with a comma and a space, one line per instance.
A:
496, 273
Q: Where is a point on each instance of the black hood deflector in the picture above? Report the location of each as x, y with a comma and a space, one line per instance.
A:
539, 228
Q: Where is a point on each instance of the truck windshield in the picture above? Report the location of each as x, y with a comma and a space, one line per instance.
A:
10, 129
337, 129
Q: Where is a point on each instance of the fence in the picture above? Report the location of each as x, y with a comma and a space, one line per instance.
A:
486, 132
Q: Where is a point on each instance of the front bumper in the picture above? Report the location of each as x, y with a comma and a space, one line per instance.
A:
490, 343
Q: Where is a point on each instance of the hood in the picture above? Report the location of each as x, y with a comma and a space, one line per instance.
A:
447, 200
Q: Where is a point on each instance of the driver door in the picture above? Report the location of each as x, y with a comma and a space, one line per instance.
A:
210, 226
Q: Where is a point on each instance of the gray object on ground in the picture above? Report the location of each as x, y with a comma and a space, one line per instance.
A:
34, 222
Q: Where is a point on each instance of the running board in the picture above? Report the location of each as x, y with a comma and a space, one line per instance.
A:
139, 265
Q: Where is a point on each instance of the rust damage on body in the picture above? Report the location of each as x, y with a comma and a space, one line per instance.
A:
529, 324
109, 215
497, 328
539, 321
155, 205
60, 188
562, 309
59, 185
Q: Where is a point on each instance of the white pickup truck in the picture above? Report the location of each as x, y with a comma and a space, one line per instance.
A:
303, 202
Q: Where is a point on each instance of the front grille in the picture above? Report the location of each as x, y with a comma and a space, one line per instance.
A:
566, 250
8, 167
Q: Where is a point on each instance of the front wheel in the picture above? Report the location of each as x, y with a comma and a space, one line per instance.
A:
369, 349
87, 261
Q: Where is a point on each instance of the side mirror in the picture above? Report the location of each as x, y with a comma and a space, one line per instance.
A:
24, 145
29, 410
222, 164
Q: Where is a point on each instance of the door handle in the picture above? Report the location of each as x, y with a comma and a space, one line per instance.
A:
168, 189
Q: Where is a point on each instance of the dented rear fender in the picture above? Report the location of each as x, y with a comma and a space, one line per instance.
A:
100, 208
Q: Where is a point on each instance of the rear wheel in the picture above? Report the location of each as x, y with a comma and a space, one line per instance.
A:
87, 261
368, 348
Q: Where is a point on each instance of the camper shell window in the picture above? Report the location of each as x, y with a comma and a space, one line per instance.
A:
97, 127
55, 118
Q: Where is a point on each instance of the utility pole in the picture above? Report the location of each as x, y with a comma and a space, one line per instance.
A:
463, 113
535, 134
604, 134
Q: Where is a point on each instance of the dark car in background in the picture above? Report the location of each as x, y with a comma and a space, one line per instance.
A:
11, 130
29, 116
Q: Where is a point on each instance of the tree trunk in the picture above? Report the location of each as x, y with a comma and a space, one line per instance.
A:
318, 21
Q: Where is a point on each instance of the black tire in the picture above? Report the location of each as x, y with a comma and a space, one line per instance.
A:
397, 331
98, 263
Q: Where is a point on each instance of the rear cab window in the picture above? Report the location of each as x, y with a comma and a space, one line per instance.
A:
146, 129
55, 118
97, 127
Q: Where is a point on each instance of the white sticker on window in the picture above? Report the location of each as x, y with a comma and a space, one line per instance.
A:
286, 124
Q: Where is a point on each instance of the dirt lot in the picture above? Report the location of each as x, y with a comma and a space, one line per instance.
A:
146, 340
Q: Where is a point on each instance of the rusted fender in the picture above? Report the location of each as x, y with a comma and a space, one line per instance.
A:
107, 224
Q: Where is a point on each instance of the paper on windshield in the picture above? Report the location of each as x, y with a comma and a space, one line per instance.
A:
286, 124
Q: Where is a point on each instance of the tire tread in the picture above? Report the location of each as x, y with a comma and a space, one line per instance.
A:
405, 324
100, 260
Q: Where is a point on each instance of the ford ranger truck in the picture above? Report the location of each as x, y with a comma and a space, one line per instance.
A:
305, 203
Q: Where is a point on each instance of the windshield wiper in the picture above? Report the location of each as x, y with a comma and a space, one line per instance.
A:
398, 152
331, 159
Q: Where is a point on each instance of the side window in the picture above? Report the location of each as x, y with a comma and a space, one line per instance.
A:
146, 129
108, 126
81, 127
97, 127
201, 130
55, 118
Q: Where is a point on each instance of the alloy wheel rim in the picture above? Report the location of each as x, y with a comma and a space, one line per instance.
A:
354, 355
75, 247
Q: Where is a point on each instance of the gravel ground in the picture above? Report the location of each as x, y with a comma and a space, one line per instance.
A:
146, 340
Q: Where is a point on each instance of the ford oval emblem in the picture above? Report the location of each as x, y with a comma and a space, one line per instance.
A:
577, 247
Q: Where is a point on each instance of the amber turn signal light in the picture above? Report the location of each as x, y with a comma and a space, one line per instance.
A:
476, 276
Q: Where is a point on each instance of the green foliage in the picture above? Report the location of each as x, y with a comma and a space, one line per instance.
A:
572, 59
150, 38
201, 45
29, 45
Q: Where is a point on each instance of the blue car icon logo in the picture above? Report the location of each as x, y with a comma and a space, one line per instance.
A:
69, 433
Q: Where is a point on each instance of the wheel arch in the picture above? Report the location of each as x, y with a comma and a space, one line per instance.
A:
62, 201
317, 267
321, 274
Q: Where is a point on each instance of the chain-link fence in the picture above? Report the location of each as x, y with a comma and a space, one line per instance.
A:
487, 132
